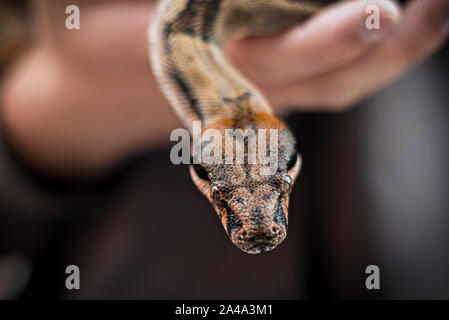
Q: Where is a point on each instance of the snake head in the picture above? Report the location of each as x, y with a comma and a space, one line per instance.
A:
253, 207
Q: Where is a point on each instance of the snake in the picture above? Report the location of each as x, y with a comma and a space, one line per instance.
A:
187, 40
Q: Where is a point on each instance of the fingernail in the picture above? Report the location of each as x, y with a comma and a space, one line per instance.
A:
373, 32
379, 21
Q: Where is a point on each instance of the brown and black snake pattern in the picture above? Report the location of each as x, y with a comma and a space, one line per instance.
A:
186, 45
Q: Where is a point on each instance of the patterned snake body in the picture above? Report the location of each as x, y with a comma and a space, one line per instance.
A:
187, 39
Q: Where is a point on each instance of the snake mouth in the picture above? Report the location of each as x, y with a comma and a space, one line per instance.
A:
254, 235
254, 239
261, 247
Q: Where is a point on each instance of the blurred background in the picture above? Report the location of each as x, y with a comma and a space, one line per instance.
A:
373, 190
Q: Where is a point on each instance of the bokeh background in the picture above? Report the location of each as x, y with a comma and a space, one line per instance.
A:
374, 190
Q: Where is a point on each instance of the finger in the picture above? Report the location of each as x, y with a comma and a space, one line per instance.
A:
423, 29
328, 41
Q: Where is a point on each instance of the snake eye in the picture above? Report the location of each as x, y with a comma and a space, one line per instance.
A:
286, 186
292, 161
215, 195
286, 183
201, 172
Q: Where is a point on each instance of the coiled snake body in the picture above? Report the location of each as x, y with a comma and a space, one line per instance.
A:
186, 41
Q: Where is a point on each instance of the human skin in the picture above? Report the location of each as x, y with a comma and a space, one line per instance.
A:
79, 102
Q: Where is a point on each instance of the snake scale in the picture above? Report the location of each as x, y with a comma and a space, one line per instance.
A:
187, 38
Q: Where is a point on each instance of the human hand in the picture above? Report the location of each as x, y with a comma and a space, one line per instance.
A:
333, 61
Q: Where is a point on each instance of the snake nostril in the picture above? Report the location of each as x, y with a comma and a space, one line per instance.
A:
274, 229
